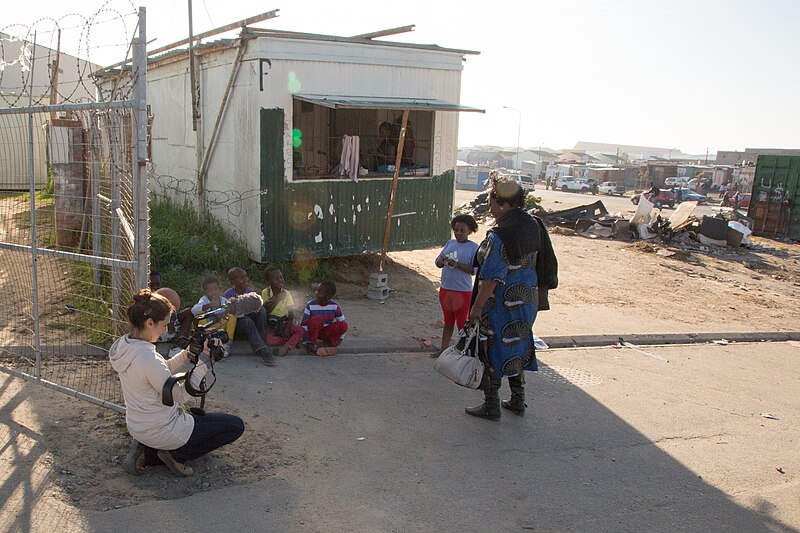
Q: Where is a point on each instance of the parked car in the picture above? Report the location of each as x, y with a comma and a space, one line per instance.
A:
525, 181
688, 195
744, 201
571, 183
665, 197
611, 188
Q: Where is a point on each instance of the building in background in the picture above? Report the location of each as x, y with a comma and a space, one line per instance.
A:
56, 77
725, 157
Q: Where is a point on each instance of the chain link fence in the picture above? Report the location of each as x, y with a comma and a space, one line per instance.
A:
73, 220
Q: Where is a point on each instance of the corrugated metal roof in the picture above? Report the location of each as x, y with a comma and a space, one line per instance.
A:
383, 102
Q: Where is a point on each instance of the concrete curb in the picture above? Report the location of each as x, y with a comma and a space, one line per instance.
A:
392, 346
587, 341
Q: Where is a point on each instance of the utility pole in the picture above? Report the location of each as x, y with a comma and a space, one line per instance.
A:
196, 125
519, 128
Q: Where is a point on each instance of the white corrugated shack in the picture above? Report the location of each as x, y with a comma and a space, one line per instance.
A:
42, 76
270, 162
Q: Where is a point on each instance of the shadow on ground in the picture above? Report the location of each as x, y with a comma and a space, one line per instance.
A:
386, 447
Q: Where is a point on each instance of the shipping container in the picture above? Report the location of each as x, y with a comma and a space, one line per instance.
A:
775, 202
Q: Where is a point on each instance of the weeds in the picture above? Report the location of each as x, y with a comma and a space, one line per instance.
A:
185, 249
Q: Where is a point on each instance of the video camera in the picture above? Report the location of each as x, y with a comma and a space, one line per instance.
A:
207, 327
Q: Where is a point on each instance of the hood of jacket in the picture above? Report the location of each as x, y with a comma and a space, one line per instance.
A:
124, 350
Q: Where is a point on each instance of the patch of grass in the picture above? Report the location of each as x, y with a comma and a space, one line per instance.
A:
186, 249
93, 318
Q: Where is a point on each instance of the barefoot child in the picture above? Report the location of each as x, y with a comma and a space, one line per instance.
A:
455, 260
323, 320
279, 304
212, 299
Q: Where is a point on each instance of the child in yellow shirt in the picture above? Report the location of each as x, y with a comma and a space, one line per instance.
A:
281, 329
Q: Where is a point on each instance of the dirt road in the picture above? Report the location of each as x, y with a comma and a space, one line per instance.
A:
613, 440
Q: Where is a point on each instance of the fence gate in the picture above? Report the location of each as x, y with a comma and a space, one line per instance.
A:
73, 232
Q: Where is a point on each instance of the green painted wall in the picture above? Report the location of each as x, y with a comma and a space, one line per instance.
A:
332, 218
777, 179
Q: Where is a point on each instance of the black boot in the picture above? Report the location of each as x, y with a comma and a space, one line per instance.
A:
517, 403
490, 408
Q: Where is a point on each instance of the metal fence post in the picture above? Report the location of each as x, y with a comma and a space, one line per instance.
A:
97, 241
141, 211
117, 162
37, 340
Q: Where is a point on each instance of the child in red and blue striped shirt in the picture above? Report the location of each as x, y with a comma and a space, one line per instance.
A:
323, 320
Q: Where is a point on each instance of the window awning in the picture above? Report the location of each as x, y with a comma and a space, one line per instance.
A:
383, 102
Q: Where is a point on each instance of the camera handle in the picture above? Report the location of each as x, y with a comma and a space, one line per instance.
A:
166, 391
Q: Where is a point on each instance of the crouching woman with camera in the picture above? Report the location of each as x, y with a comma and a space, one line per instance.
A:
163, 433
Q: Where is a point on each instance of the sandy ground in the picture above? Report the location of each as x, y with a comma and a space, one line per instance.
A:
610, 287
68, 452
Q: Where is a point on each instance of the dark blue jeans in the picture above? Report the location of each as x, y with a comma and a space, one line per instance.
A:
211, 431
254, 326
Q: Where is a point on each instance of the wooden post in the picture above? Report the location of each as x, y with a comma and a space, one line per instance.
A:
394, 188
54, 77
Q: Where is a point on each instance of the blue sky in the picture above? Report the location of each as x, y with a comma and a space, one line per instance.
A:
687, 74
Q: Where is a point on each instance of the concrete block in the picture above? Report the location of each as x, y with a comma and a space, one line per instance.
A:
378, 293
378, 280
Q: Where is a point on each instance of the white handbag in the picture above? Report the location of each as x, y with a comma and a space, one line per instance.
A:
462, 367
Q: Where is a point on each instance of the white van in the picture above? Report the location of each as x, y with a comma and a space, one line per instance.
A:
525, 181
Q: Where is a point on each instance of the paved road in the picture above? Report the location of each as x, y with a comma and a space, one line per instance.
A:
615, 440
555, 200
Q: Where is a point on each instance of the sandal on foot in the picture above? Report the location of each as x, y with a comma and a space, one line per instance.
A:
179, 469
326, 351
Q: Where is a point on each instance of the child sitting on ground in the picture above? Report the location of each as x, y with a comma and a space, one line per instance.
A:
323, 320
253, 325
212, 299
279, 304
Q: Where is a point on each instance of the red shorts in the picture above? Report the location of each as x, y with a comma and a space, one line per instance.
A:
455, 306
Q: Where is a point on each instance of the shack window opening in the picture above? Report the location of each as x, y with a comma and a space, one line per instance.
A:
318, 139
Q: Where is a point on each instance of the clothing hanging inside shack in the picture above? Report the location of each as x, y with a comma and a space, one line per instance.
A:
348, 164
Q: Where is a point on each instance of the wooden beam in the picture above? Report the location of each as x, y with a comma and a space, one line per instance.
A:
54, 78
384, 33
394, 188
216, 31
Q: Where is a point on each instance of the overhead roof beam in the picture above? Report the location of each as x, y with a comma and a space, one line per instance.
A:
216, 31
333, 38
384, 33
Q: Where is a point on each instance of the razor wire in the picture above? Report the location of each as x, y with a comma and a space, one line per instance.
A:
64, 48
183, 189
71, 203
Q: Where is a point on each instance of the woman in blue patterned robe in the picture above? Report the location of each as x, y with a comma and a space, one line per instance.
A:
507, 299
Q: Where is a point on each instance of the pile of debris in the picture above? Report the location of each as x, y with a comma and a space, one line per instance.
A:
729, 228
479, 207
726, 229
